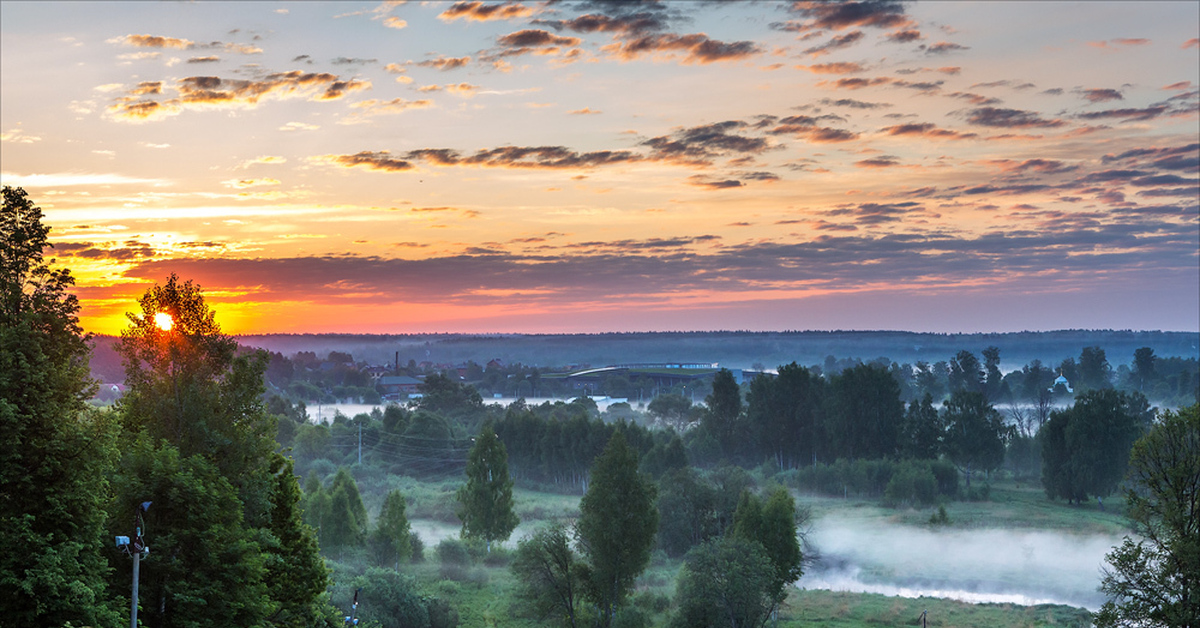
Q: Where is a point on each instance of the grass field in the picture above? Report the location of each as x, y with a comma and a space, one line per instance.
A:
483, 594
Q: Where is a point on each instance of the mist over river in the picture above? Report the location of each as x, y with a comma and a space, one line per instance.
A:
1014, 566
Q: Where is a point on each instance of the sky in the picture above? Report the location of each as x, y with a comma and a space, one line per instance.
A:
595, 166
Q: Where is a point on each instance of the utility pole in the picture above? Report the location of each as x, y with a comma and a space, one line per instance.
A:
136, 548
360, 442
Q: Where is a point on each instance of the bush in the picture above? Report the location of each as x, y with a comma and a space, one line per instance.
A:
390, 599
939, 518
454, 559
630, 617
441, 614
912, 484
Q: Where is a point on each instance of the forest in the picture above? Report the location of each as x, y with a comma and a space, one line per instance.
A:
443, 510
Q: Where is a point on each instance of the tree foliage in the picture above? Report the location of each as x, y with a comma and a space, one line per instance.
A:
392, 538
616, 527
1085, 447
550, 575
726, 582
1155, 579
55, 454
975, 432
486, 499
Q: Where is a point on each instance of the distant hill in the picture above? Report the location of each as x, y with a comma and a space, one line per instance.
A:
732, 348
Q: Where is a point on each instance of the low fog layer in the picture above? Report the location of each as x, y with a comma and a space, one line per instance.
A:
984, 565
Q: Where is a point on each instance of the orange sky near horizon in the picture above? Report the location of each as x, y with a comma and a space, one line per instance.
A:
596, 166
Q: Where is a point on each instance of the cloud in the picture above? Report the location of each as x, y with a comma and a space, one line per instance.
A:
883, 14
353, 61
261, 159
394, 22
944, 47
299, 126
975, 99
877, 213
242, 184
1129, 114
853, 104
480, 12
629, 25
208, 59
1010, 118
837, 43
533, 37
152, 41
925, 129
696, 48
443, 63
833, 68
1119, 42
708, 183
17, 136
1040, 166
700, 144
885, 161
1101, 95
855, 83
586, 111
1191, 43
534, 157
905, 36
157, 41
207, 91
377, 160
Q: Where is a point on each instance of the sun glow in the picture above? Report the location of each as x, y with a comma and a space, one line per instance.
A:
163, 320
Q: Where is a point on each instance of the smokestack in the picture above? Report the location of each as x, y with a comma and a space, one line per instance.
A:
397, 364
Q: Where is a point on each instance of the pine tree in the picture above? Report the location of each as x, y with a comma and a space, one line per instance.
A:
486, 499
617, 525
392, 537
54, 456
296, 574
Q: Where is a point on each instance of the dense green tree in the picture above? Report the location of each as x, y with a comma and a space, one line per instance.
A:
724, 407
390, 599
392, 538
687, 509
1085, 447
966, 373
922, 431
443, 395
207, 567
975, 432
616, 527
785, 416
549, 573
1155, 577
725, 582
772, 525
672, 408
664, 457
865, 414
1094, 371
296, 576
55, 455
993, 379
1143, 368
486, 499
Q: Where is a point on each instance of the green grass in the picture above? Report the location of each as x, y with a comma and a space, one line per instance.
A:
483, 594
854, 610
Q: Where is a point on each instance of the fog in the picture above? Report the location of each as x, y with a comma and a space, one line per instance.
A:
982, 565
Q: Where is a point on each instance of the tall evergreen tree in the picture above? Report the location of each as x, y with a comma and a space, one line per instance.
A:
486, 499
392, 539
724, 409
55, 455
296, 575
617, 525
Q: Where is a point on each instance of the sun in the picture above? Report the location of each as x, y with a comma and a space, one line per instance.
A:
163, 320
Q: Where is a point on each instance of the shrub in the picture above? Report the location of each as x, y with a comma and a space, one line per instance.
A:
912, 483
